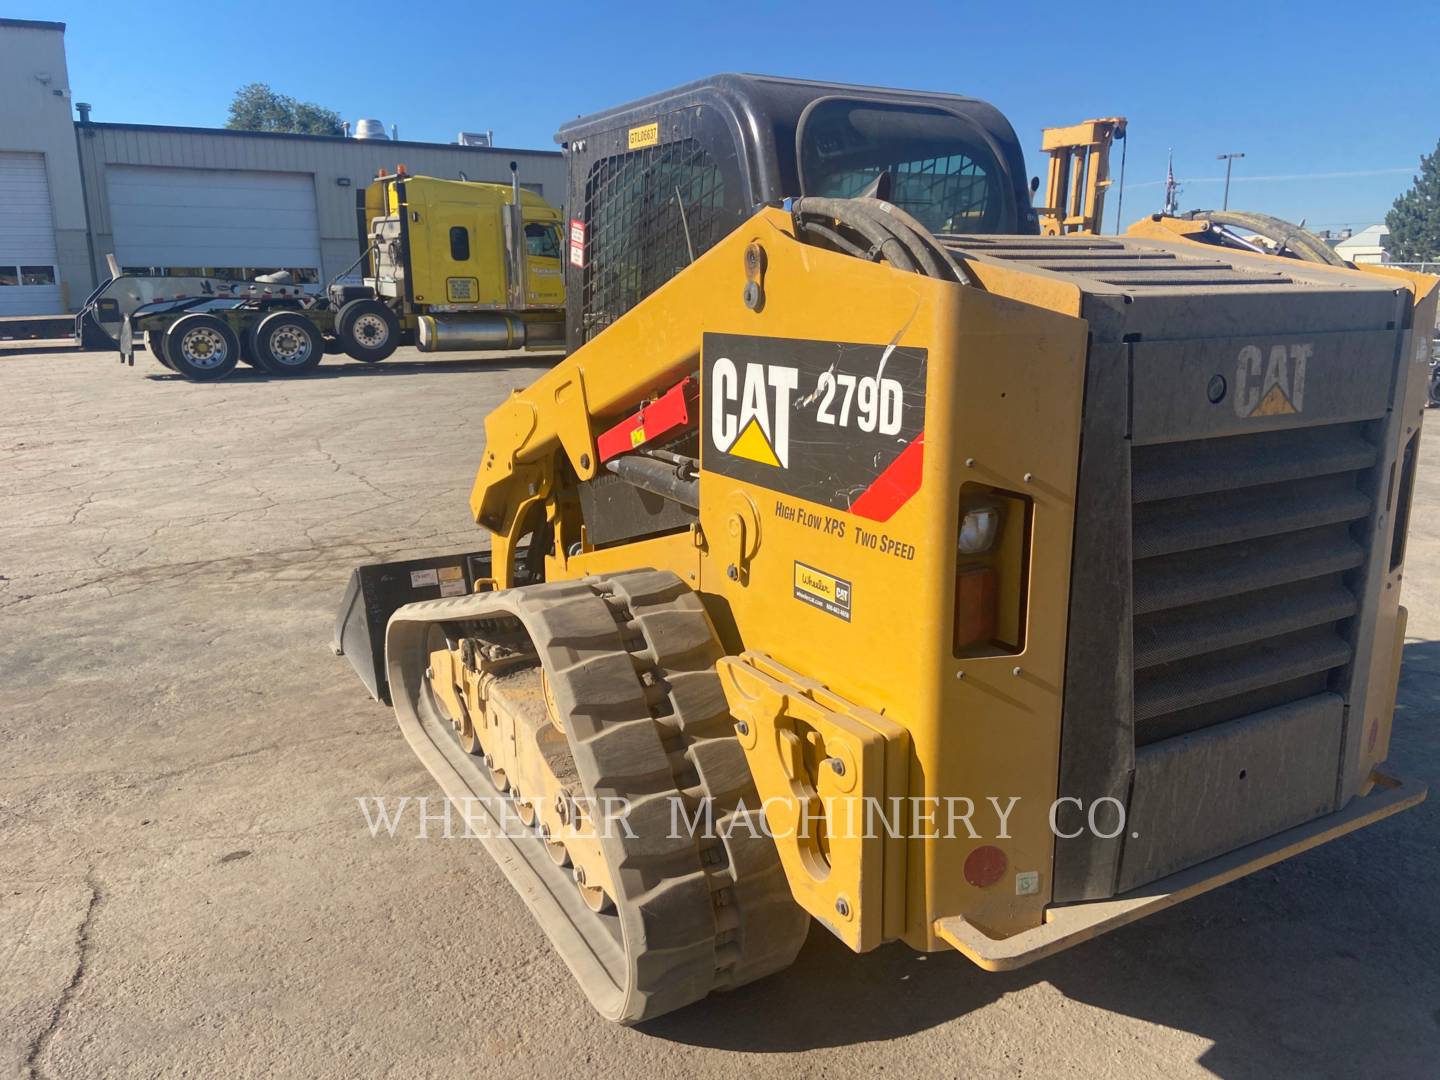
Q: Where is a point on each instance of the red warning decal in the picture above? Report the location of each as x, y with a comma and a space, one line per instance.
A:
893, 487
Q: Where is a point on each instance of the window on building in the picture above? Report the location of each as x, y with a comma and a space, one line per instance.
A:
460, 243
37, 275
542, 241
8, 276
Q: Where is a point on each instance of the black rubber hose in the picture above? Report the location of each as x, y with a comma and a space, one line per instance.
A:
883, 242
865, 224
1306, 245
885, 227
923, 235
831, 237
924, 258
925, 262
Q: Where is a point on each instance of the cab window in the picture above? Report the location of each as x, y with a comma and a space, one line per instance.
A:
459, 243
542, 240
941, 169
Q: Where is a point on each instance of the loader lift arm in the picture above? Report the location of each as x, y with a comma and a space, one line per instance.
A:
563, 409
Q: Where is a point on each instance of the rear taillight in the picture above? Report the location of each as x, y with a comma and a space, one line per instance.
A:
978, 528
991, 561
975, 607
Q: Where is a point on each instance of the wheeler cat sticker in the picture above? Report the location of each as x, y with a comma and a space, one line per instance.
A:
821, 590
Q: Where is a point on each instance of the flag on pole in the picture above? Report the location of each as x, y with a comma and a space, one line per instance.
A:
1172, 189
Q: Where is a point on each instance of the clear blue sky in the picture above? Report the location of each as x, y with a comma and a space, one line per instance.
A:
1317, 95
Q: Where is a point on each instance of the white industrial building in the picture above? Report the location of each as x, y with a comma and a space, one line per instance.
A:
44, 261
1365, 246
185, 199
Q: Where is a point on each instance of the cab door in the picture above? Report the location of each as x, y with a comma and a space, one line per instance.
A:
476, 268
545, 277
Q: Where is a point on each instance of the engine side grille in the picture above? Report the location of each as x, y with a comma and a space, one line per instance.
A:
1243, 548
1238, 418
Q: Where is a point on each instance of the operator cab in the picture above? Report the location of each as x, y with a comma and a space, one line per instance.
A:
656, 183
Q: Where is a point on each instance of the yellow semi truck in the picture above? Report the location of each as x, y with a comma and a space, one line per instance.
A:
447, 265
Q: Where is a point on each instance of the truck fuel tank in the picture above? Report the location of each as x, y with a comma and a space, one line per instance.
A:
488, 330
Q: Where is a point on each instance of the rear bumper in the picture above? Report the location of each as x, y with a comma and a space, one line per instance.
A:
1070, 924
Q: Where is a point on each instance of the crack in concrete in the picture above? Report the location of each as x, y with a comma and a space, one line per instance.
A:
275, 565
37, 1047
141, 779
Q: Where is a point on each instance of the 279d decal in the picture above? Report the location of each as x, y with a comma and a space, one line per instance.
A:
835, 423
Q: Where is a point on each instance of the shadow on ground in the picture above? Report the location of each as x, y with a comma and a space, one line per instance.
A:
1273, 970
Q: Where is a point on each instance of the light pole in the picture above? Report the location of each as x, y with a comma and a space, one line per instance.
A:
1229, 160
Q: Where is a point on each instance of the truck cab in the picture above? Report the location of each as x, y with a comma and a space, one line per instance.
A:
452, 246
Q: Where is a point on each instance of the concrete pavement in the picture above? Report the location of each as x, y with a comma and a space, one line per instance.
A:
187, 886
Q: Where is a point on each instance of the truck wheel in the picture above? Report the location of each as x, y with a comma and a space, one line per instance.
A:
202, 348
368, 330
155, 342
285, 343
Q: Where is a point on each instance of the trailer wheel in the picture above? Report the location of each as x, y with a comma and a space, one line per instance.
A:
284, 343
202, 348
368, 330
155, 342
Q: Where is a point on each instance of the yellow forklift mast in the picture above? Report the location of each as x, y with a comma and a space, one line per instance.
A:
1078, 175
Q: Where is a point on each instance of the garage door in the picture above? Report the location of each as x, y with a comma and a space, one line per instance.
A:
213, 220
28, 280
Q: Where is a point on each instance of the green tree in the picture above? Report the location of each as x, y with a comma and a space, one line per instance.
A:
1414, 220
258, 108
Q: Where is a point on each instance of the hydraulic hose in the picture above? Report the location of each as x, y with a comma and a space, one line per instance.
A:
876, 230
678, 482
923, 235
1284, 234
852, 215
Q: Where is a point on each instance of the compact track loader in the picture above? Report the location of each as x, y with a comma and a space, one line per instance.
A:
877, 560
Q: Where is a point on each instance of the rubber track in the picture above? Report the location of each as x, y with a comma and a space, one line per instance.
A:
630, 660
